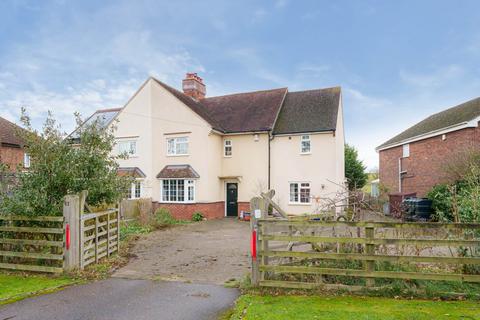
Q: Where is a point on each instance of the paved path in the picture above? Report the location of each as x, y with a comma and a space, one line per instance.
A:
122, 299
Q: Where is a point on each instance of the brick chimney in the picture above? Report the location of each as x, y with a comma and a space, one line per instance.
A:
193, 86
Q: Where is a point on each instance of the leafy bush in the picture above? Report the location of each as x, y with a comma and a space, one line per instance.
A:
197, 216
163, 217
61, 166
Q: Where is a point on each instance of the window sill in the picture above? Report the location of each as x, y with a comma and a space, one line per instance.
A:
177, 202
227, 156
299, 204
305, 153
178, 155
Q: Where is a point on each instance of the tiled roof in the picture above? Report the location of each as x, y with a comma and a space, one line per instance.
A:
309, 111
462, 113
274, 110
181, 171
245, 112
135, 172
8, 133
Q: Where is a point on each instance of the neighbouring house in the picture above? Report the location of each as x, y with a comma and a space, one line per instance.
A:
12, 153
414, 161
189, 152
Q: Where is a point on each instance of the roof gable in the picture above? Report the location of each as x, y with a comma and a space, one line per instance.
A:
457, 115
309, 111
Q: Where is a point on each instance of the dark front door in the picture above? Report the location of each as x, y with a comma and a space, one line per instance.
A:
232, 197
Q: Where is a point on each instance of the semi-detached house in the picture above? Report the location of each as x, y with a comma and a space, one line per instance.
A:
189, 152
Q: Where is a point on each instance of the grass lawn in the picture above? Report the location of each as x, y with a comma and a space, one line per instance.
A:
18, 286
350, 307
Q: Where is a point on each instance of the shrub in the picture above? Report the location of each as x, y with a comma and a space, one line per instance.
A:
58, 168
163, 217
197, 216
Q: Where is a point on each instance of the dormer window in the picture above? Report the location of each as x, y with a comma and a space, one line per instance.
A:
227, 148
177, 146
305, 144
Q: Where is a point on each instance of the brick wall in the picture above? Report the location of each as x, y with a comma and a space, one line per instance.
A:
12, 156
425, 165
184, 211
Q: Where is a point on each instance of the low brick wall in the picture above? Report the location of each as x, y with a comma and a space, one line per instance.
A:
184, 211
243, 206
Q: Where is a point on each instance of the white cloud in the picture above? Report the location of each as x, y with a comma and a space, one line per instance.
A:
440, 77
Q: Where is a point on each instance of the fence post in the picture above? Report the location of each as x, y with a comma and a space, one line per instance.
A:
71, 214
370, 250
254, 205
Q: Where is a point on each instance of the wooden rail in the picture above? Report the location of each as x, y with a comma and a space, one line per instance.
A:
31, 243
369, 243
99, 236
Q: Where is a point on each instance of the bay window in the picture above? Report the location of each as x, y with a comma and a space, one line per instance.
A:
135, 190
178, 190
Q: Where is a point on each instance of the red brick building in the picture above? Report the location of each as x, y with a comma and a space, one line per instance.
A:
11, 146
414, 160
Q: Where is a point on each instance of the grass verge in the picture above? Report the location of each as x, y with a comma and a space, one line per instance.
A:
17, 286
249, 307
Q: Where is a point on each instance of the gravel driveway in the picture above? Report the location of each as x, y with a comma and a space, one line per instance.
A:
206, 252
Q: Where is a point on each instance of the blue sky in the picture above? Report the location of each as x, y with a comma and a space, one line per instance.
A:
396, 61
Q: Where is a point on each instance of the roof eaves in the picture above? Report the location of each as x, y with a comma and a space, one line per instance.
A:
434, 133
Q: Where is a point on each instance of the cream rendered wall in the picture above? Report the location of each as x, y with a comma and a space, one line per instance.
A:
250, 161
171, 118
340, 144
134, 121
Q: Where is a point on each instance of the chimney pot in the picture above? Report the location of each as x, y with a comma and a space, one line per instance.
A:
193, 86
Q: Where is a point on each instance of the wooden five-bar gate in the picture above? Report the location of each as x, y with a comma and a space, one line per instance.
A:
307, 253
59, 243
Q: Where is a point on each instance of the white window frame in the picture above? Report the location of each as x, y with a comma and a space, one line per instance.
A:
225, 146
406, 150
301, 185
26, 160
305, 138
133, 142
173, 152
133, 194
187, 184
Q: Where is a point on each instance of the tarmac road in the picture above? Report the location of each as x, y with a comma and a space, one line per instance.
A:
119, 299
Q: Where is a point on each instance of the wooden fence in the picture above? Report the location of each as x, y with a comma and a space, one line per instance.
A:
307, 253
32, 243
99, 236
59, 243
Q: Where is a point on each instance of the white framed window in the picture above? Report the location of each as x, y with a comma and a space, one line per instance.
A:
177, 146
406, 150
127, 146
26, 160
300, 193
178, 190
227, 148
305, 144
135, 191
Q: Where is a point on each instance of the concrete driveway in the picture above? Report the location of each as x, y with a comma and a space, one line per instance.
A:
206, 252
196, 259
